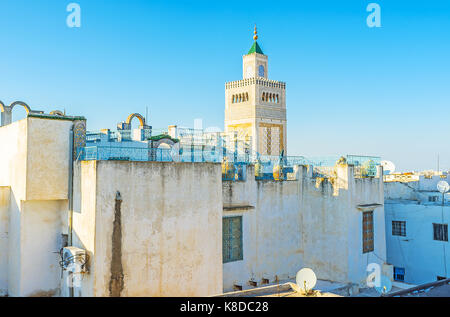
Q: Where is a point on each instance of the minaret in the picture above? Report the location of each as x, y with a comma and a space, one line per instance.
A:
255, 107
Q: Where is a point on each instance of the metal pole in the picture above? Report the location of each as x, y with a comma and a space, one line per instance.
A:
443, 242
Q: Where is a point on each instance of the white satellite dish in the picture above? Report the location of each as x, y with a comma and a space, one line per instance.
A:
388, 167
443, 187
306, 279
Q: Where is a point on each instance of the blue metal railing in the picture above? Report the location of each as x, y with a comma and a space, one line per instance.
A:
109, 153
365, 166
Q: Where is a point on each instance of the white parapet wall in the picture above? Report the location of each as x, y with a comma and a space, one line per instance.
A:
309, 222
34, 166
168, 241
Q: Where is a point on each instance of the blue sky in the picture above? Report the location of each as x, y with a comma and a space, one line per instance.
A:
351, 89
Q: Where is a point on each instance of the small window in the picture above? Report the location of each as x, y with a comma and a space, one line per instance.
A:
433, 198
368, 235
232, 239
261, 71
440, 232
399, 274
399, 228
440, 278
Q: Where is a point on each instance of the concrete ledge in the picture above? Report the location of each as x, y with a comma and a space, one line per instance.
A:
234, 207
324, 287
368, 207
55, 117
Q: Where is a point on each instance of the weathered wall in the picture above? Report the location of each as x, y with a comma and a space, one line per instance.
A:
5, 193
41, 241
271, 230
171, 231
305, 223
47, 159
325, 229
332, 225
365, 191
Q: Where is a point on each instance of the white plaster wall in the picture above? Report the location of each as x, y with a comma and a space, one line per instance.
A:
240, 193
41, 241
365, 191
34, 164
271, 231
302, 223
5, 193
278, 220
14, 246
47, 159
171, 227
13, 149
325, 229
13, 157
420, 255
84, 223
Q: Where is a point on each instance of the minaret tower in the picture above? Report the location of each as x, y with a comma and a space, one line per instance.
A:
255, 107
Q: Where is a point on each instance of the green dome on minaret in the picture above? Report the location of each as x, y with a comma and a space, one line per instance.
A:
255, 49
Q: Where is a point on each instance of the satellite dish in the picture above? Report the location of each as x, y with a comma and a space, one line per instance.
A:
306, 279
388, 167
443, 187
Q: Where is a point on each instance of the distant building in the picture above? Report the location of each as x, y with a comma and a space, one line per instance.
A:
417, 217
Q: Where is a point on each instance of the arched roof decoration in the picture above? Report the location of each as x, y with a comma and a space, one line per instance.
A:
4, 108
136, 115
157, 140
21, 103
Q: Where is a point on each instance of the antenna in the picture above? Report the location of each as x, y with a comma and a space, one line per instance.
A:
443, 187
388, 167
438, 164
306, 280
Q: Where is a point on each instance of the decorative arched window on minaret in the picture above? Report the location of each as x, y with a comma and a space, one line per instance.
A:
262, 118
